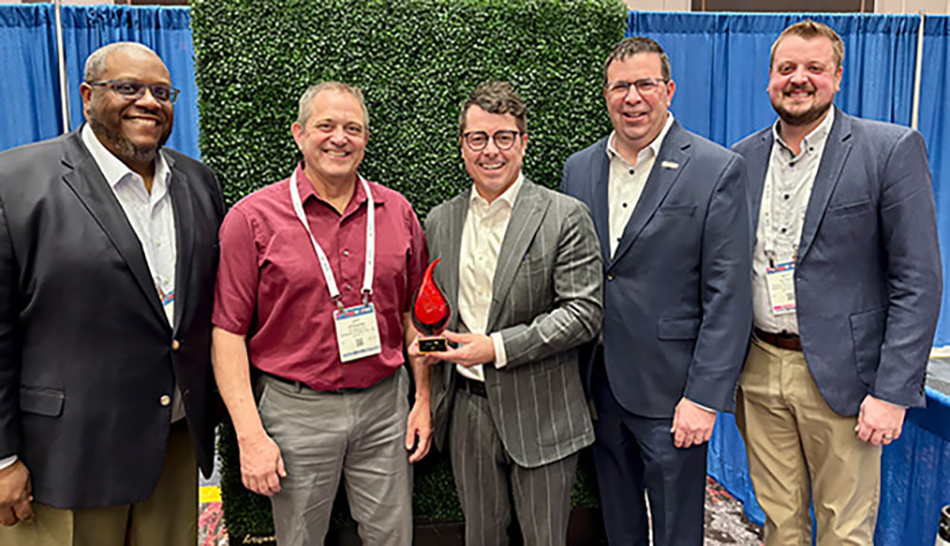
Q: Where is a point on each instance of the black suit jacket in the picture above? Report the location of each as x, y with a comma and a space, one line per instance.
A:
86, 353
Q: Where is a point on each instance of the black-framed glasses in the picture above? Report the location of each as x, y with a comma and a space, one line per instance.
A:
134, 90
504, 139
645, 86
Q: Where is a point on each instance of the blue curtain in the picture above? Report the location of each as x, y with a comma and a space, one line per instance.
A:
934, 124
166, 31
720, 64
31, 89
30, 85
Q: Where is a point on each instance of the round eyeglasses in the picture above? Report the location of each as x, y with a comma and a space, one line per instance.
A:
503, 139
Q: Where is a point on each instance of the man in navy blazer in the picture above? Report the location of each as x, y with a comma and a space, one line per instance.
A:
846, 290
671, 214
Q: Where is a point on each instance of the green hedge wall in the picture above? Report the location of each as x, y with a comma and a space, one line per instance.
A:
416, 61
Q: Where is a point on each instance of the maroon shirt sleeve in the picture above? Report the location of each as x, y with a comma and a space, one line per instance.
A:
235, 291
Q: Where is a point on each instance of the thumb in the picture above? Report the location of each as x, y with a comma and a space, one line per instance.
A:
281, 471
453, 336
410, 437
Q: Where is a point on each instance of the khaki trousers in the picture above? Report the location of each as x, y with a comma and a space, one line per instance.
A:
168, 517
799, 449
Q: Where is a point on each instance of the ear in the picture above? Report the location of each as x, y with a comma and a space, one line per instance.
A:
670, 90
838, 78
298, 132
85, 91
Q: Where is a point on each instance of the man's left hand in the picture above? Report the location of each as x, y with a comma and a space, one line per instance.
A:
472, 350
879, 422
692, 425
419, 430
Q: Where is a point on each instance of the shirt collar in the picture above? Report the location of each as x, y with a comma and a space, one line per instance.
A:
113, 169
817, 137
652, 149
507, 197
305, 187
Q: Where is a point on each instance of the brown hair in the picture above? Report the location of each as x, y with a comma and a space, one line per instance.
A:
809, 29
496, 97
636, 45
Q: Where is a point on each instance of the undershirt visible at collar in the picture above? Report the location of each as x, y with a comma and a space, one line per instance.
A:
112, 168
654, 146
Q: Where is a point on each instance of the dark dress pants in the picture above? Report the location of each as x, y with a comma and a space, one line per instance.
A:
633, 454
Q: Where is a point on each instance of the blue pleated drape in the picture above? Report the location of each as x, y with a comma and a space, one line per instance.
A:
720, 63
30, 90
934, 124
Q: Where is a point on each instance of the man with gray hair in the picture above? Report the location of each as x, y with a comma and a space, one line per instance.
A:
313, 294
107, 263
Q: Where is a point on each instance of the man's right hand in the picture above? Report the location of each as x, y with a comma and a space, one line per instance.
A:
15, 494
261, 464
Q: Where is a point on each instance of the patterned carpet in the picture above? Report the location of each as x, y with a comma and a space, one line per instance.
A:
725, 522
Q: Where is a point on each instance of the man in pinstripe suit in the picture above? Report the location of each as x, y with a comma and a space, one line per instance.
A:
521, 267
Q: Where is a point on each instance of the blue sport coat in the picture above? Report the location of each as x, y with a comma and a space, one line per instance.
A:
868, 279
678, 291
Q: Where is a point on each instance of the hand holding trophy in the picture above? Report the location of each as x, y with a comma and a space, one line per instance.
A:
430, 313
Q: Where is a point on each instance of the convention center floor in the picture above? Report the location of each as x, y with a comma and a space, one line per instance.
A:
726, 525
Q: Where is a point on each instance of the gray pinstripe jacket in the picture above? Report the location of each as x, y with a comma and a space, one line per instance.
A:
547, 299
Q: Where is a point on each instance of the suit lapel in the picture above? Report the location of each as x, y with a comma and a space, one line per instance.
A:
833, 159
600, 208
758, 166
661, 179
525, 219
86, 180
184, 234
451, 248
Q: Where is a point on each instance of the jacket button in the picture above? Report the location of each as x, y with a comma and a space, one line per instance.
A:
610, 276
176, 344
165, 400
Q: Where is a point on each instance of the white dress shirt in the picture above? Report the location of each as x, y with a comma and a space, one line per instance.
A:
789, 182
482, 235
626, 182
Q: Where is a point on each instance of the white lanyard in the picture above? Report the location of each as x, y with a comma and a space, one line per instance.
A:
322, 257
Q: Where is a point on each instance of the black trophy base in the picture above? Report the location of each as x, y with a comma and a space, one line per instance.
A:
433, 344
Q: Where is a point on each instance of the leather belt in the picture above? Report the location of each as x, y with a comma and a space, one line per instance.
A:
789, 342
472, 386
300, 385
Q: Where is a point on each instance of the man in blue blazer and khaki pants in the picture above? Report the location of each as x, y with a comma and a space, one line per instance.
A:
846, 291
671, 214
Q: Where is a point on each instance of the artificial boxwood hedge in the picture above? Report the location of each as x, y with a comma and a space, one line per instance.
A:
416, 61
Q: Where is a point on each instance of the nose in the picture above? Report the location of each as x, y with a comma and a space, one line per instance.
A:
632, 90
147, 100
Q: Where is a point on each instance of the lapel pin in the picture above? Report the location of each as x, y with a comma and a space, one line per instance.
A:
670, 165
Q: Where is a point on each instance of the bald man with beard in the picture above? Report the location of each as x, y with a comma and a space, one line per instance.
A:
108, 254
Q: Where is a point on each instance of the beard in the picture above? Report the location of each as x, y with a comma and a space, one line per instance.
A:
125, 148
804, 117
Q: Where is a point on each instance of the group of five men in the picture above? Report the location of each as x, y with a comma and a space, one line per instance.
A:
630, 296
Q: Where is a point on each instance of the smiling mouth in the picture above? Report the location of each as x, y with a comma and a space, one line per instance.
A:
144, 120
337, 153
491, 166
634, 116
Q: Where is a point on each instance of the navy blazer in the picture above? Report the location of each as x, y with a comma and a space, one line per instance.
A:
678, 291
86, 351
868, 281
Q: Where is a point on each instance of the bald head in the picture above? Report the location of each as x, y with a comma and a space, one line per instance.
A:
98, 62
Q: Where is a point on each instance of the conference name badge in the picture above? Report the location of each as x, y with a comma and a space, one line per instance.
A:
781, 284
357, 333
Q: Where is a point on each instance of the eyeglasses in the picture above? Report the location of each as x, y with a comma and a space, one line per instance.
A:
645, 86
504, 139
133, 90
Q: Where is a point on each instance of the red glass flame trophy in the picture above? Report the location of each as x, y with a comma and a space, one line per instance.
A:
430, 313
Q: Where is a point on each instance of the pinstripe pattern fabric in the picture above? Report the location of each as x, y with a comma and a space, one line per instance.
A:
547, 300
522, 440
541, 495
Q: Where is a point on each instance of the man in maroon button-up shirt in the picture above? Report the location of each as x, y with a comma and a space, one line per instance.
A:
317, 418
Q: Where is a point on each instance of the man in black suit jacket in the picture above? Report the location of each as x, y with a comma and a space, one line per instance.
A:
108, 252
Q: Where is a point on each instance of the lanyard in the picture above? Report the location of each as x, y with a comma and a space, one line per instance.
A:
322, 257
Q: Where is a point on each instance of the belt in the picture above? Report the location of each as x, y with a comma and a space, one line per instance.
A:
300, 385
789, 342
472, 386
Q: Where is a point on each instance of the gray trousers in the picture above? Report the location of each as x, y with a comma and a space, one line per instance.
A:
323, 436
487, 478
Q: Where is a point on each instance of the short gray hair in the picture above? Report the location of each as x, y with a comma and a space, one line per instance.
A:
96, 63
306, 100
